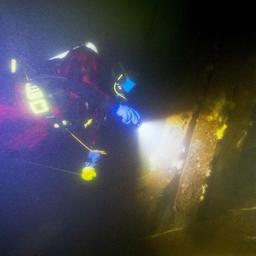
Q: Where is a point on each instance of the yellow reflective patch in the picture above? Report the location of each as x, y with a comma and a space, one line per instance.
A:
88, 173
88, 122
39, 106
120, 76
116, 90
36, 98
33, 92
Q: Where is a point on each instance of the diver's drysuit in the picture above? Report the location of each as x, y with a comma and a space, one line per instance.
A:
91, 94
82, 93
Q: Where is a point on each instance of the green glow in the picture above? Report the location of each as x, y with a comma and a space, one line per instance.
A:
88, 173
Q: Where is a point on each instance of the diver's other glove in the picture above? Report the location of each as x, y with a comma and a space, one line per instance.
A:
89, 171
128, 114
92, 159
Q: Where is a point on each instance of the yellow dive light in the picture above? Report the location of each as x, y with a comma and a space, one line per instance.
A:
88, 173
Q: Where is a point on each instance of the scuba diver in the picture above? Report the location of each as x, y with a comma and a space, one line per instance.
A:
83, 92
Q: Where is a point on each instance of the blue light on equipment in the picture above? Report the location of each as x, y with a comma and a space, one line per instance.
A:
128, 85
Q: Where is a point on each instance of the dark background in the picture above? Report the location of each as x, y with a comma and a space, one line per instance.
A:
46, 212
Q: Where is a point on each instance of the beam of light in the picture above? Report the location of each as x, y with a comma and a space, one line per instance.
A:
13, 66
173, 230
252, 208
60, 56
161, 145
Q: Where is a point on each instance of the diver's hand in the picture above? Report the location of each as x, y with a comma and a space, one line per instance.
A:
92, 159
128, 114
89, 171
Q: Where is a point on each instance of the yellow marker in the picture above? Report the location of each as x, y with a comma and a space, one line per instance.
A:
88, 122
88, 173
120, 76
13, 65
116, 85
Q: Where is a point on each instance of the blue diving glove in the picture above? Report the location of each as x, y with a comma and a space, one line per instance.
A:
92, 159
128, 114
